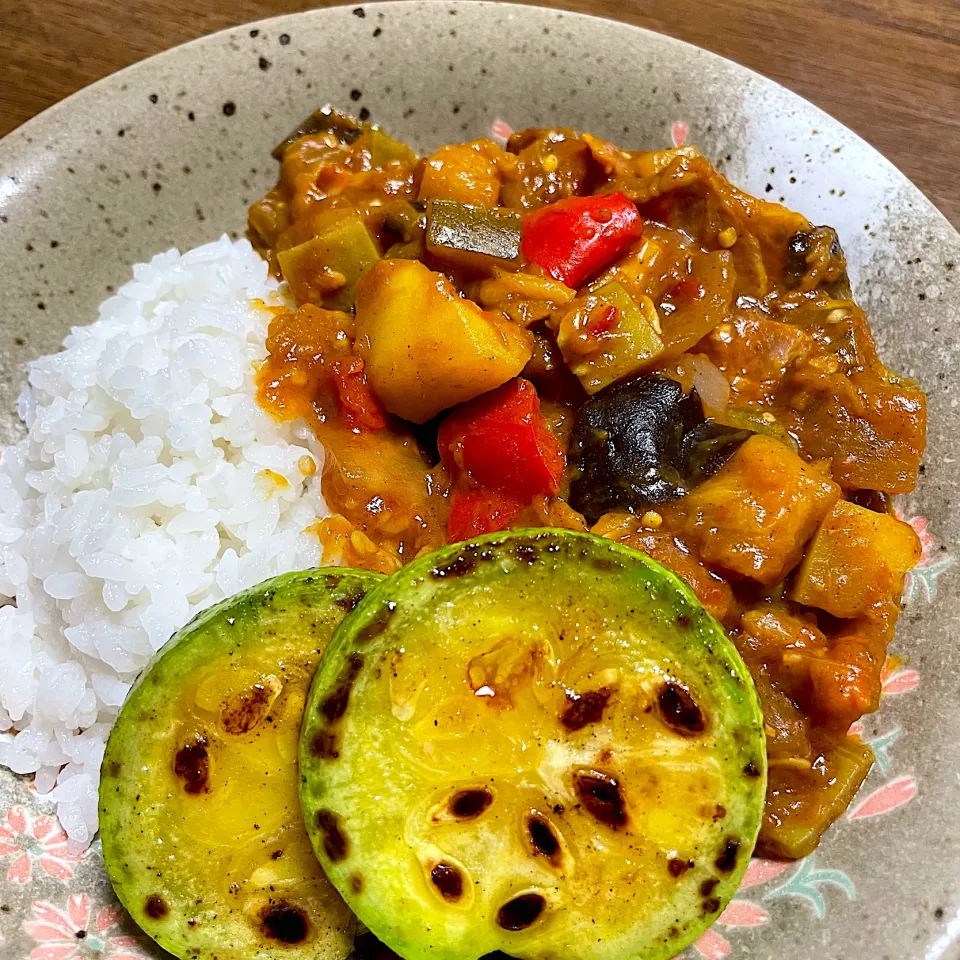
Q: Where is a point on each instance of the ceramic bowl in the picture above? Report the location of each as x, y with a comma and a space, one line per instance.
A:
170, 152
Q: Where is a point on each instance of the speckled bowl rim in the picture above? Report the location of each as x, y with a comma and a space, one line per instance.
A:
39, 120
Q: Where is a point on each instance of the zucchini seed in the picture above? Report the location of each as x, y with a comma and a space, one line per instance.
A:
601, 797
448, 880
469, 804
520, 912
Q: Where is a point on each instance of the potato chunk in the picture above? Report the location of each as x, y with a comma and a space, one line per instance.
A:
754, 516
425, 347
462, 172
856, 562
325, 269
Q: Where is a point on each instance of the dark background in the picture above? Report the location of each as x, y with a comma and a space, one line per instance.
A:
890, 69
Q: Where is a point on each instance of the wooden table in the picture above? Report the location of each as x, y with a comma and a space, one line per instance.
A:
890, 69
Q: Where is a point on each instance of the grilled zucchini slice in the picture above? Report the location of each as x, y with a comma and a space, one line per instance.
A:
199, 817
535, 742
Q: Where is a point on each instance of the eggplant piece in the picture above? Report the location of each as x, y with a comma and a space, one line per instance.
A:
643, 443
404, 230
549, 374
815, 260
326, 119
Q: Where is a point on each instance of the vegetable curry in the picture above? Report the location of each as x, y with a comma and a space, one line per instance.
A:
564, 333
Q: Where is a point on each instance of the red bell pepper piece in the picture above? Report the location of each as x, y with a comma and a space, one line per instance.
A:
478, 511
500, 441
358, 405
575, 238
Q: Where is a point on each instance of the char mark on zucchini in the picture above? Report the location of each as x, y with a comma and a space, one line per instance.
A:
585, 708
192, 766
336, 845
335, 705
284, 922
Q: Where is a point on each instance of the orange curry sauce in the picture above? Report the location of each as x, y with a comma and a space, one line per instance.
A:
791, 544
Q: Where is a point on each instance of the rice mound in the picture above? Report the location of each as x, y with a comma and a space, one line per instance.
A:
149, 486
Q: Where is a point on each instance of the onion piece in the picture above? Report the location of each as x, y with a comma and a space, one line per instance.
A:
711, 385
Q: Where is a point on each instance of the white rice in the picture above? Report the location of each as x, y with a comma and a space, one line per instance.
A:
138, 497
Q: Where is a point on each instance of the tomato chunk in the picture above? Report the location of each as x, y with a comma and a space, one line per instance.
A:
500, 441
574, 239
474, 512
360, 408
500, 455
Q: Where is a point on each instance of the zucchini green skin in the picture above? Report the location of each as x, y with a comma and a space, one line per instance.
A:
199, 817
403, 721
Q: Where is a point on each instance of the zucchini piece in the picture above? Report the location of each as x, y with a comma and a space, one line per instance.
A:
607, 335
384, 149
325, 269
805, 797
201, 829
535, 742
470, 236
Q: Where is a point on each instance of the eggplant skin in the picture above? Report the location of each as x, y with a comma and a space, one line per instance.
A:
815, 260
643, 443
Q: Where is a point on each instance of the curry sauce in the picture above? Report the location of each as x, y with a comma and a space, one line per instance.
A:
564, 333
